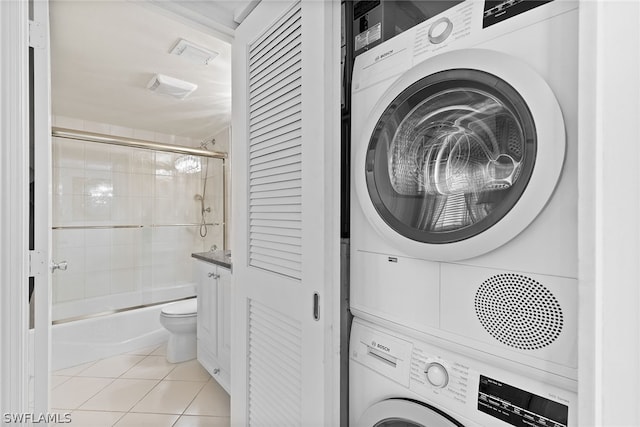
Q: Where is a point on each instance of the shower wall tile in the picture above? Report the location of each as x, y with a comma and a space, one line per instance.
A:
97, 284
68, 287
121, 158
124, 256
68, 238
68, 210
96, 127
97, 157
67, 181
145, 135
143, 161
97, 209
121, 183
68, 153
125, 280
98, 237
97, 258
69, 122
122, 131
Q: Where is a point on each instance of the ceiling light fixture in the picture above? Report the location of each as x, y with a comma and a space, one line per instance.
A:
193, 52
171, 86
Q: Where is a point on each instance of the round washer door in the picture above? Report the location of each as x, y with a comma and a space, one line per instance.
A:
405, 413
460, 155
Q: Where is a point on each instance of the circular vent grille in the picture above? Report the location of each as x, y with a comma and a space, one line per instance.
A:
518, 311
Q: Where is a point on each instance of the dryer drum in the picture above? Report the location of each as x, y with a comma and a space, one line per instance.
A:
450, 156
519, 311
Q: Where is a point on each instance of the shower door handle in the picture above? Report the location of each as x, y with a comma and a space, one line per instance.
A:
62, 266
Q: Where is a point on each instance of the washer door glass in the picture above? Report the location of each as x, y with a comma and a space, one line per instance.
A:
400, 412
450, 156
397, 423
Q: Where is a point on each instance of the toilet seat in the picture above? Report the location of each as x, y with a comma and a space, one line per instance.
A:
187, 308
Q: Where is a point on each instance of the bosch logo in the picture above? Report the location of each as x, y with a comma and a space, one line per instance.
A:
382, 347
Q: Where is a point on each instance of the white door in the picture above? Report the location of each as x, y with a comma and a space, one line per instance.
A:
40, 255
285, 237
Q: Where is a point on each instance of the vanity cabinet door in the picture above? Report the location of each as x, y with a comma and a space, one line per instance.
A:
207, 330
224, 318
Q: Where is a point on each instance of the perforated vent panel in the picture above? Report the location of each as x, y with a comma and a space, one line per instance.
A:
518, 311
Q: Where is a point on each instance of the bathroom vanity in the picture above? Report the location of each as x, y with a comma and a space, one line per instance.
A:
213, 271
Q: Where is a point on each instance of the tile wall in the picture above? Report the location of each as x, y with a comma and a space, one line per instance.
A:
108, 186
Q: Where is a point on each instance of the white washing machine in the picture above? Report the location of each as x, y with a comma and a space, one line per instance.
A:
397, 381
464, 175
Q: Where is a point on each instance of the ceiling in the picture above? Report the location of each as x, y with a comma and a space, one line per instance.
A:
103, 54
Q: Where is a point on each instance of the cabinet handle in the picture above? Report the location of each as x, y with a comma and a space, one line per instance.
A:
214, 276
216, 371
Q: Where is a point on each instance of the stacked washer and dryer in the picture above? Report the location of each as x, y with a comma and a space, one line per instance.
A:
463, 222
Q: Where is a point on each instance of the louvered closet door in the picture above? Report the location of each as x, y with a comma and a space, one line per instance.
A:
285, 244
275, 147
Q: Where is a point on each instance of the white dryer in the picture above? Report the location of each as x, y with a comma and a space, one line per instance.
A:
397, 381
464, 170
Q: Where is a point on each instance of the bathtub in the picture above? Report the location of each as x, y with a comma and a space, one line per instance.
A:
86, 340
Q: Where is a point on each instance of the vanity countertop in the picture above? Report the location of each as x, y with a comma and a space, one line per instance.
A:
221, 258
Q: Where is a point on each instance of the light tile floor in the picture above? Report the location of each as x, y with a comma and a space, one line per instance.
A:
140, 389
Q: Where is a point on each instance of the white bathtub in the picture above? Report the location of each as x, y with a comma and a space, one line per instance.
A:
91, 339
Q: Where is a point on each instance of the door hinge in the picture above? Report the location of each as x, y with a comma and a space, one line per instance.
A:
37, 264
37, 37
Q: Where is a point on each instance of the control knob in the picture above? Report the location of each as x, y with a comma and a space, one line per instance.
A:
437, 375
440, 30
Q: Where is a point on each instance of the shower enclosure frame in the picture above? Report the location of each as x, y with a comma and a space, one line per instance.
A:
58, 132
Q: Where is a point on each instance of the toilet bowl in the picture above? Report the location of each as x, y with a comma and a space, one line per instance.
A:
179, 318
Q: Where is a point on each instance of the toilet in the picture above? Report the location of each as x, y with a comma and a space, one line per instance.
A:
179, 318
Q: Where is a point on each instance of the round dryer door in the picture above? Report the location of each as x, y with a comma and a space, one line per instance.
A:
460, 154
405, 413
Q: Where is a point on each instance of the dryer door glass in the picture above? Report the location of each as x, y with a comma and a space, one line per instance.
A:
450, 156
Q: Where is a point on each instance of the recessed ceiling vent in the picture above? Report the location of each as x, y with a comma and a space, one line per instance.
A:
171, 86
193, 52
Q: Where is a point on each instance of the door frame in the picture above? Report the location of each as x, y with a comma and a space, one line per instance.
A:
608, 209
14, 210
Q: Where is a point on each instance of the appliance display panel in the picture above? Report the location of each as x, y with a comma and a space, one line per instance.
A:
519, 407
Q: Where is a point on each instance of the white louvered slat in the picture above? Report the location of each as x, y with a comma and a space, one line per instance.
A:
270, 129
290, 114
283, 247
275, 147
292, 183
285, 101
285, 232
275, 155
287, 60
290, 160
285, 35
267, 37
295, 241
292, 200
288, 176
275, 208
276, 194
274, 367
285, 128
288, 79
275, 96
278, 139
